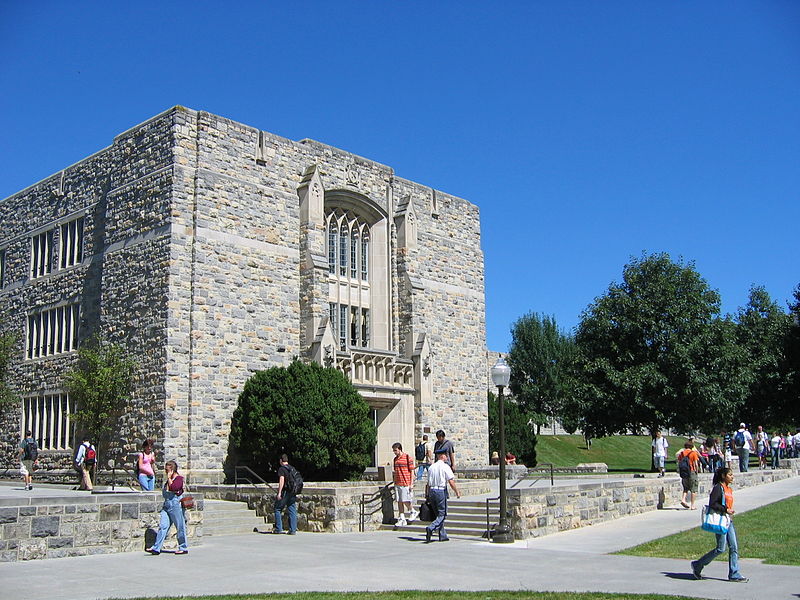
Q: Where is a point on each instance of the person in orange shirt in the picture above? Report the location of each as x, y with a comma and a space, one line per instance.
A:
403, 482
721, 501
688, 467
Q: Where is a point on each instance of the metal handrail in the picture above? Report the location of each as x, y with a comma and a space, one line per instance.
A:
366, 498
245, 479
551, 465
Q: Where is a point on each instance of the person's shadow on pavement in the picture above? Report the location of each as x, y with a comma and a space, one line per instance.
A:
689, 576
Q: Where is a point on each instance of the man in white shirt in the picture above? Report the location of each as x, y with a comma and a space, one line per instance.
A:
659, 449
743, 443
439, 476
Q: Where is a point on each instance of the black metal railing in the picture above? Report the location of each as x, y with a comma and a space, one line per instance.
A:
245, 475
380, 497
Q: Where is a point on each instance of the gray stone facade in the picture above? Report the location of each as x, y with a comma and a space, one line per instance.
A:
205, 253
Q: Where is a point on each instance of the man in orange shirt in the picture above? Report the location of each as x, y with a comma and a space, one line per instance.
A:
688, 467
403, 482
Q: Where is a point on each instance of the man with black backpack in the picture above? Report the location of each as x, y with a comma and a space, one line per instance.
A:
290, 483
688, 466
743, 444
423, 453
28, 456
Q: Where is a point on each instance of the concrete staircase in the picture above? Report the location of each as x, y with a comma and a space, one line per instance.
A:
466, 518
223, 517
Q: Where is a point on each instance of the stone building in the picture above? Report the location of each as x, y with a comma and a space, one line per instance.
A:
211, 249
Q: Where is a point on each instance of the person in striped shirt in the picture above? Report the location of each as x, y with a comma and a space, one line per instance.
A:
403, 482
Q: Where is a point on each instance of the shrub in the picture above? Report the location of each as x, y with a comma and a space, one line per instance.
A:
311, 413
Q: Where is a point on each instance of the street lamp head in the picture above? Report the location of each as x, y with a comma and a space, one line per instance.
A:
501, 373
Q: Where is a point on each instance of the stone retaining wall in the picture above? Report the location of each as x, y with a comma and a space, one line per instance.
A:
332, 507
41, 527
536, 512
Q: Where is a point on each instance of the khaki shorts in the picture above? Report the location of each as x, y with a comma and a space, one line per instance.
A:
26, 468
690, 483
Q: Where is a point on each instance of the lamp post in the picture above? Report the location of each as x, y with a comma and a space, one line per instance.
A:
501, 375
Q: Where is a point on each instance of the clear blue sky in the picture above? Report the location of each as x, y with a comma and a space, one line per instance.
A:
587, 132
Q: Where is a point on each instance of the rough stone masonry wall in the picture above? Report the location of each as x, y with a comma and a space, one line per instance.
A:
122, 192
35, 528
541, 512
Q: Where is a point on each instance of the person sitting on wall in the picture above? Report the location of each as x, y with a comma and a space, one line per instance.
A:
495, 459
510, 459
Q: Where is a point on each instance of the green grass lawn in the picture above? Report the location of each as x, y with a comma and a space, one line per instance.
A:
628, 453
425, 595
771, 533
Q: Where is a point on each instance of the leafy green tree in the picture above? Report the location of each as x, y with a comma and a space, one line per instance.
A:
7, 396
520, 437
655, 353
100, 385
763, 330
540, 358
790, 399
311, 413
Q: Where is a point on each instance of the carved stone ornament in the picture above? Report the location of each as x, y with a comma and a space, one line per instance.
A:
328, 358
353, 176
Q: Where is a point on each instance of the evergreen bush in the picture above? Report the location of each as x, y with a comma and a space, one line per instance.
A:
311, 413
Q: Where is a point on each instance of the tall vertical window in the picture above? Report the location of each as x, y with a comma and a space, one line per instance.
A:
41, 254
354, 254
343, 239
333, 237
365, 327
365, 256
343, 326
47, 418
71, 246
53, 331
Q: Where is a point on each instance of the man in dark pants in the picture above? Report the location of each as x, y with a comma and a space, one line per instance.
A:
439, 476
286, 498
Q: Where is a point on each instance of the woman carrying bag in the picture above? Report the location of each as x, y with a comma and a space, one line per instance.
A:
721, 502
172, 510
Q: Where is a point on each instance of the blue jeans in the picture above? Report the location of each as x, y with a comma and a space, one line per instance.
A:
744, 459
422, 468
288, 501
148, 482
775, 455
171, 514
439, 500
728, 539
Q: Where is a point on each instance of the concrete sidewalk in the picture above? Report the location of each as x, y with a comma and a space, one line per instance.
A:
569, 561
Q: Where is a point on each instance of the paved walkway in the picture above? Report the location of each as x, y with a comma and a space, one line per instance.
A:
577, 560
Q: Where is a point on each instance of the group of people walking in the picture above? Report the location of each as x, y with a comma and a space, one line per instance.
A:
438, 461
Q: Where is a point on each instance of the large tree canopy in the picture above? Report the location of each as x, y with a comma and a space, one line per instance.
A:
313, 414
540, 359
655, 353
763, 330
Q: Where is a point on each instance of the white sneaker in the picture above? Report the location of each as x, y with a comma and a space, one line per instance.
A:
414, 516
401, 522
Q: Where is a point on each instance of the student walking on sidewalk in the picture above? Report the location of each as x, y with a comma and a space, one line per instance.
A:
721, 501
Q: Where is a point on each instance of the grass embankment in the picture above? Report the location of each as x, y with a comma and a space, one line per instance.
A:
771, 533
418, 595
628, 453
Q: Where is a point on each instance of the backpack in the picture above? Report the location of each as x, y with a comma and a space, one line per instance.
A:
684, 469
91, 456
738, 439
136, 464
294, 485
420, 451
31, 449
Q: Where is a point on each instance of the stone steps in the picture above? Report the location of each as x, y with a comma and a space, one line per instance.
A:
223, 517
465, 518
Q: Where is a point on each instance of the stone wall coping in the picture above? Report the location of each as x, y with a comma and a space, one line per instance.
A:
121, 498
